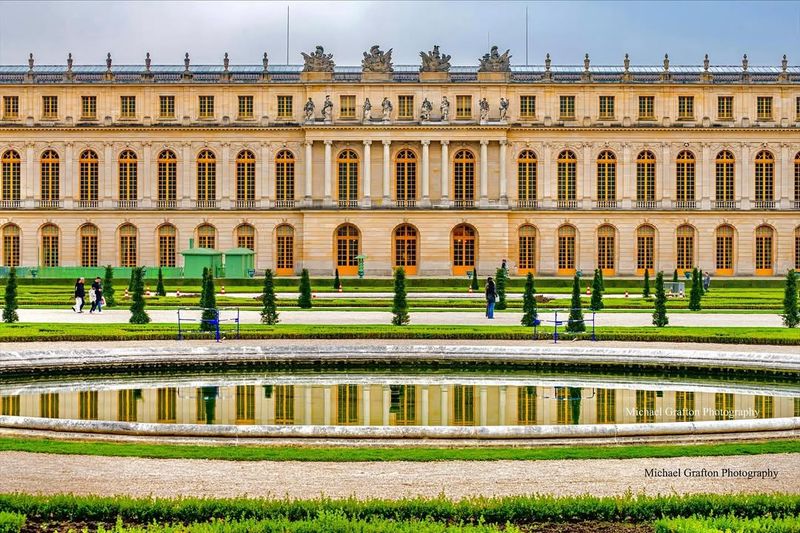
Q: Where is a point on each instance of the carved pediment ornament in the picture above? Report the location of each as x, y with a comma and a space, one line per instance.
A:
318, 61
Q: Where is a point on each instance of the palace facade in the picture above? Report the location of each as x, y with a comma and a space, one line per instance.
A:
554, 168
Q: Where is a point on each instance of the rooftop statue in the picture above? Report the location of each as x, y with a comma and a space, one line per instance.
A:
377, 61
425, 112
494, 62
318, 61
434, 61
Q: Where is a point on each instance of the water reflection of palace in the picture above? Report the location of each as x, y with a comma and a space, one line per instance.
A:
397, 405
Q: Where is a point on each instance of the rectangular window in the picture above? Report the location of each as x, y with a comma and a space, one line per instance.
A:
10, 107
527, 107
347, 106
566, 105
686, 108
284, 107
88, 107
245, 107
647, 106
725, 107
764, 107
606, 107
463, 107
405, 107
166, 108
128, 107
49, 107
206, 107
797, 108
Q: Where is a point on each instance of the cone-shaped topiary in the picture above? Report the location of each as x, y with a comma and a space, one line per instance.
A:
530, 311
575, 324
108, 287
596, 303
500, 286
675, 276
208, 301
10, 305
304, 300
269, 311
660, 313
131, 280
160, 291
696, 291
336, 281
791, 313
602, 280
474, 283
400, 304
646, 288
138, 314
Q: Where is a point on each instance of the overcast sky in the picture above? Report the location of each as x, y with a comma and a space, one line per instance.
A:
606, 30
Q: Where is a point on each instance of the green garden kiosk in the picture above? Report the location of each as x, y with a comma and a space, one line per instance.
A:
239, 263
196, 259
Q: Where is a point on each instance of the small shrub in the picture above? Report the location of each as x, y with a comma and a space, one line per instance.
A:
474, 283
597, 291
646, 288
108, 286
500, 285
160, 291
400, 304
337, 283
791, 313
208, 301
11, 522
138, 314
530, 311
696, 291
575, 324
660, 314
10, 305
269, 311
304, 300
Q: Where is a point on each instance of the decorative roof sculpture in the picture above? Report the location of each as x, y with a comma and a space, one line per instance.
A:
434, 61
377, 60
495, 62
318, 61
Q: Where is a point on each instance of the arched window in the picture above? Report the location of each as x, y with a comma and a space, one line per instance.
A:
127, 245
406, 178
127, 179
405, 248
645, 249
684, 180
347, 164
765, 242
566, 249
724, 255
11, 249
284, 260
684, 259
50, 241
167, 179
10, 179
206, 179
245, 179
797, 180
89, 237
765, 180
527, 193
284, 179
797, 248
347, 247
464, 178
606, 179
89, 167
725, 179
606, 249
464, 249
50, 192
527, 249
206, 236
567, 178
246, 237
646, 179
167, 237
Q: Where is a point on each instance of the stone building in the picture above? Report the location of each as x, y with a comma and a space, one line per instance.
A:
434, 168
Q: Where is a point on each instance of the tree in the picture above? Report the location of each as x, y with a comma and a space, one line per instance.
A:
269, 311
602, 280
500, 286
208, 301
696, 291
336, 281
597, 291
304, 300
791, 313
575, 324
10, 306
160, 291
646, 288
400, 305
108, 286
530, 312
132, 280
675, 276
138, 314
474, 283
660, 314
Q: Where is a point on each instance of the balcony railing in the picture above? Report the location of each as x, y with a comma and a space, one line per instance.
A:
127, 204
405, 204
528, 204
245, 204
166, 204
88, 204
725, 204
49, 204
460, 204
567, 204
685, 204
796, 204
284, 204
10, 204
647, 204
605, 204
763, 204
205, 204
348, 204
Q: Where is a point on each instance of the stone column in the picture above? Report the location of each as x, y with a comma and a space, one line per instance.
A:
148, 191
387, 169
224, 195
546, 178
425, 406
664, 187
584, 183
426, 168
264, 185
31, 187
367, 175
386, 404
503, 177
484, 174
628, 180
366, 400
483, 405
68, 192
706, 169
743, 178
328, 170
106, 199
783, 178
501, 411
326, 405
307, 405
308, 172
445, 177
188, 165
444, 417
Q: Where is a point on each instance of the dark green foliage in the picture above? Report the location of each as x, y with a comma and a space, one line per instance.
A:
208, 301
11, 522
138, 314
675, 276
530, 311
597, 291
500, 285
10, 305
132, 280
160, 291
696, 291
700, 277
304, 300
660, 314
602, 280
575, 324
108, 287
646, 288
337, 283
400, 305
269, 311
761, 524
474, 283
791, 313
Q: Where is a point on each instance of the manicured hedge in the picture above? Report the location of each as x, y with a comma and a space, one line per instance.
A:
725, 524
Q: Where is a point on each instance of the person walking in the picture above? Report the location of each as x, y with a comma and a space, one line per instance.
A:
96, 296
706, 282
80, 294
491, 297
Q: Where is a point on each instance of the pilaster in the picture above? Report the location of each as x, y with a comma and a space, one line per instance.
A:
445, 177
308, 174
328, 170
426, 187
387, 168
366, 200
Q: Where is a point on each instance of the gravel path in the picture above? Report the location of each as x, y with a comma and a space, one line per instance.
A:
50, 474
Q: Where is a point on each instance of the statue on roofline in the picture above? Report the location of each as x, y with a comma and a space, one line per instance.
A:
318, 61
495, 62
434, 61
377, 61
